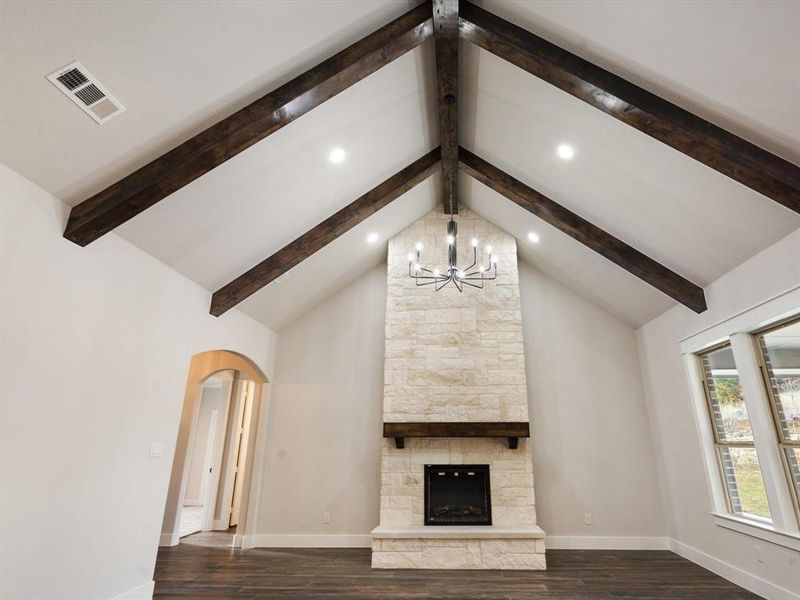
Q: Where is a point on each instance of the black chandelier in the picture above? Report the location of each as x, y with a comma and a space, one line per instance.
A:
473, 275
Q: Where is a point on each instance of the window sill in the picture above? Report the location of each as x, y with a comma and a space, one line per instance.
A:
758, 530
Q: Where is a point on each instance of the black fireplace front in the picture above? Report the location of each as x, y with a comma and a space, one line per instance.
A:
457, 495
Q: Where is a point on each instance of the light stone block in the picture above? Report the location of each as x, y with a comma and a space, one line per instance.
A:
458, 554
444, 557
396, 560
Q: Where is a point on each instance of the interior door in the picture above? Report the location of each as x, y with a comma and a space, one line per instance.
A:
243, 432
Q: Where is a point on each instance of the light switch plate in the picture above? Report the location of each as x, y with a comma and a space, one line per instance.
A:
156, 450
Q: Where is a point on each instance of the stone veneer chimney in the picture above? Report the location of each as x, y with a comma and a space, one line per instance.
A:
455, 357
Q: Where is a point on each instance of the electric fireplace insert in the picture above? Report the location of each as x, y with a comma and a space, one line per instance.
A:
457, 495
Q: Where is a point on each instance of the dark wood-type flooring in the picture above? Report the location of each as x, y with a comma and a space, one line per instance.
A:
201, 567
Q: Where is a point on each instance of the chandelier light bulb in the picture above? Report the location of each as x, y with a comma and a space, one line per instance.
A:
489, 249
417, 267
436, 272
410, 257
474, 242
481, 268
494, 260
450, 240
460, 274
419, 246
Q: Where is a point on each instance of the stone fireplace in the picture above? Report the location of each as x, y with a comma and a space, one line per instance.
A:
456, 464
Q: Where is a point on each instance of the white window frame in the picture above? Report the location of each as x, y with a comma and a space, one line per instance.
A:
785, 442
739, 330
720, 440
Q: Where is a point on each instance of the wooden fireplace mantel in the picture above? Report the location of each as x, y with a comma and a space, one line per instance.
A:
511, 430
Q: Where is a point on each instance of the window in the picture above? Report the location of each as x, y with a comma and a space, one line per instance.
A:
780, 368
733, 436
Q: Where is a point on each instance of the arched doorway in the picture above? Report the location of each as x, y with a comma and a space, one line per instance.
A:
250, 384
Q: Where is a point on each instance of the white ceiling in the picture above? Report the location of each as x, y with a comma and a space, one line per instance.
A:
734, 63
667, 205
180, 67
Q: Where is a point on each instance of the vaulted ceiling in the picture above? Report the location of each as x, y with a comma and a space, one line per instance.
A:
178, 69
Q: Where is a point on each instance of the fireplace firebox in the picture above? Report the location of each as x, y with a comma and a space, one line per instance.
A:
457, 495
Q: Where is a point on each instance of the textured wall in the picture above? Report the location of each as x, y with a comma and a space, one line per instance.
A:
453, 356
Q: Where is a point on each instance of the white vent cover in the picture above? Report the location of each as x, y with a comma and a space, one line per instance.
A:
83, 89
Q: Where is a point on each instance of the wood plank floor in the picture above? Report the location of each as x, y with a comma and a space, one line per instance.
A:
200, 569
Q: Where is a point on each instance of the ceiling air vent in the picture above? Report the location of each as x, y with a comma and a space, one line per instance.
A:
86, 92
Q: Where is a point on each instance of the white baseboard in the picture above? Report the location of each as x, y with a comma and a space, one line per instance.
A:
597, 542
142, 592
736, 575
169, 539
270, 540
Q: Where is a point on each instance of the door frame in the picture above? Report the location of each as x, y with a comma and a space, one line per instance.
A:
203, 366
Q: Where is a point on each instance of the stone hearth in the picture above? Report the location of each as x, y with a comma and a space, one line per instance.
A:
455, 357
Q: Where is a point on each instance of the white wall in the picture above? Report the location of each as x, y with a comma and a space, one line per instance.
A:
96, 347
592, 451
591, 444
683, 481
325, 421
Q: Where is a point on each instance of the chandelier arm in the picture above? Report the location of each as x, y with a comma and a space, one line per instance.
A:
474, 262
446, 281
480, 287
424, 283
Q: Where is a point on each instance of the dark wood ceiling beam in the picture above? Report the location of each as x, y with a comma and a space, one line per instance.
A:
208, 149
615, 250
721, 150
445, 41
323, 234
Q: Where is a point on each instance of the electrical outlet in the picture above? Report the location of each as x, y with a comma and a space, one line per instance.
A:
587, 518
326, 517
759, 554
156, 450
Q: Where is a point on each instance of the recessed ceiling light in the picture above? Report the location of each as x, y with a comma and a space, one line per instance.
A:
534, 237
337, 155
565, 151
372, 237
